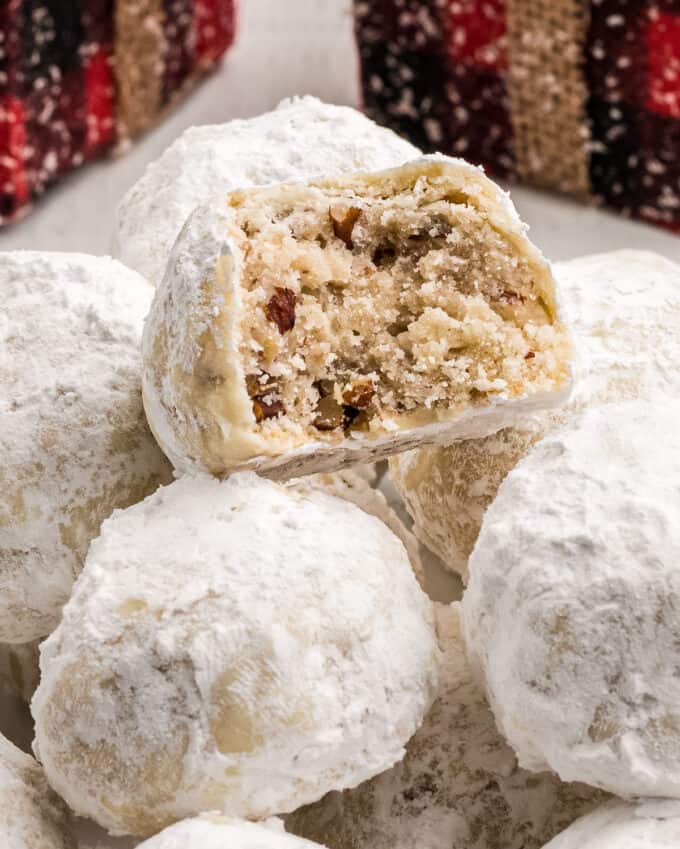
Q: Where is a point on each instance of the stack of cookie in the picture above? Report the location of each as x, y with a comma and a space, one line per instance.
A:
234, 622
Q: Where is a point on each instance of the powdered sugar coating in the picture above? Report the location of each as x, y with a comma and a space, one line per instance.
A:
459, 786
648, 824
355, 487
624, 310
73, 436
31, 816
232, 645
212, 831
300, 139
207, 424
572, 613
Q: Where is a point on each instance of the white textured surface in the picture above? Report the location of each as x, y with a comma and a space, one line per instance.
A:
572, 616
350, 485
210, 831
31, 816
232, 645
302, 138
284, 49
624, 310
196, 319
73, 438
459, 786
650, 824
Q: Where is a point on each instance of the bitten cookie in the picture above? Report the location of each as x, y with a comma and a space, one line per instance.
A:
212, 831
648, 824
73, 436
302, 138
234, 645
304, 327
31, 815
571, 616
624, 310
459, 786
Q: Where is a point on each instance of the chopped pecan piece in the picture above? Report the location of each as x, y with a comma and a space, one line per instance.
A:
259, 384
359, 393
343, 219
324, 387
529, 355
280, 309
262, 389
268, 409
330, 414
509, 297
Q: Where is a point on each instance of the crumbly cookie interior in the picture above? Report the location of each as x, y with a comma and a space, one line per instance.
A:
370, 300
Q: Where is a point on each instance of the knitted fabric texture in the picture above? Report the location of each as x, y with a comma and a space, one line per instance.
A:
77, 78
581, 96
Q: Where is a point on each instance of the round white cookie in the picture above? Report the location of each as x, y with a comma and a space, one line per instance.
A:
459, 786
213, 831
233, 645
300, 139
31, 815
73, 436
649, 824
572, 613
624, 309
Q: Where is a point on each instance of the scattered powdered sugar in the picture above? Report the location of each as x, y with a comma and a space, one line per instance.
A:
232, 645
648, 824
31, 815
624, 310
302, 138
572, 614
73, 436
459, 786
212, 831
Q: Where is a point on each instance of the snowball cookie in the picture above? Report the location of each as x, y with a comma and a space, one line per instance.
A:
459, 786
212, 831
300, 139
20, 669
31, 815
650, 824
624, 310
73, 437
304, 327
234, 645
354, 487
572, 613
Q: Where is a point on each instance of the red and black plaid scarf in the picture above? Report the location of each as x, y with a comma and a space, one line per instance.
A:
582, 96
76, 76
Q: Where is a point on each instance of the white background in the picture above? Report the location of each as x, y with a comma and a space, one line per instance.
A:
289, 47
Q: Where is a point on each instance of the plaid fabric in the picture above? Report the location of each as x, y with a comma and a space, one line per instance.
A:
582, 96
78, 77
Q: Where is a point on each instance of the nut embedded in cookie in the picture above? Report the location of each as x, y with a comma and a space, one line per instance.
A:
371, 313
